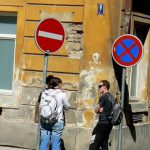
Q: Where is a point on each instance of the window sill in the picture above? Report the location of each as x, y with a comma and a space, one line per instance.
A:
9, 100
139, 106
6, 92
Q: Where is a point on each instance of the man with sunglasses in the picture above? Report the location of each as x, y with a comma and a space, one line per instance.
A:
101, 132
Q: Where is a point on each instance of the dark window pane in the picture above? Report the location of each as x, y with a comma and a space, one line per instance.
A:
6, 63
8, 24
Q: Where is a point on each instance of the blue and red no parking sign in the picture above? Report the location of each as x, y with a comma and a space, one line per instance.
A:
127, 50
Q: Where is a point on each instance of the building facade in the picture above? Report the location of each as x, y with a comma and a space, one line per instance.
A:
91, 27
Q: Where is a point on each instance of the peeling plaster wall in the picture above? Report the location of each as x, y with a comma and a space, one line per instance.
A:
99, 32
87, 95
83, 60
28, 73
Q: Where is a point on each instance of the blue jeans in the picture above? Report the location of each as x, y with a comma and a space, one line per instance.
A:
51, 134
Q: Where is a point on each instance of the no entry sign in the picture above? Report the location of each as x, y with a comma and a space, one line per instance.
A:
49, 35
127, 50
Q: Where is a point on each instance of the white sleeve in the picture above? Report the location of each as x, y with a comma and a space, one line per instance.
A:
66, 104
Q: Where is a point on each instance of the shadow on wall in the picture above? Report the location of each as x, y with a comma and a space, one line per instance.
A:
127, 107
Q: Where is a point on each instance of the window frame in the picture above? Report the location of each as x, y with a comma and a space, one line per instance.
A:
136, 17
130, 77
10, 99
9, 37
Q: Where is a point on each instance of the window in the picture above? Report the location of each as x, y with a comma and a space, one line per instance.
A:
8, 24
138, 74
134, 81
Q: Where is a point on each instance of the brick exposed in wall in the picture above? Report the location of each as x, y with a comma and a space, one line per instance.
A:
74, 40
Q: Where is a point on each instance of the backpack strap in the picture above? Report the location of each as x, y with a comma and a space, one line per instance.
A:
108, 95
111, 98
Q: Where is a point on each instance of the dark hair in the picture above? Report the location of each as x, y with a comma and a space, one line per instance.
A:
49, 78
55, 82
106, 83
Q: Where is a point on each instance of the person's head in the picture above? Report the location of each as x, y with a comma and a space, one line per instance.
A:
55, 83
104, 86
48, 79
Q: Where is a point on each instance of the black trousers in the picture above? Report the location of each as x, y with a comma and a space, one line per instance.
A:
100, 136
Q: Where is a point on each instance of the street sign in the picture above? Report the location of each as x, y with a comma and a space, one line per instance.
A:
49, 35
100, 9
127, 50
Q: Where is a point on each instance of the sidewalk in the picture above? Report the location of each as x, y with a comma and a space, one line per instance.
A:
11, 148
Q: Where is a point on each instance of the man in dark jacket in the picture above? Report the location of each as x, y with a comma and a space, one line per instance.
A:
100, 134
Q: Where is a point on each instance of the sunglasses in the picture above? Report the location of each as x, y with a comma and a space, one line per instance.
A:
100, 86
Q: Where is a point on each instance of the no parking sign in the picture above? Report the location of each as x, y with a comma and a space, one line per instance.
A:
127, 50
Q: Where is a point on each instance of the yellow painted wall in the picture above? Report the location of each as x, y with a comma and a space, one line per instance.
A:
86, 34
70, 14
99, 31
12, 3
91, 32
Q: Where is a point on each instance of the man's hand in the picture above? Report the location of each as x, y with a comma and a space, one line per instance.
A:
99, 109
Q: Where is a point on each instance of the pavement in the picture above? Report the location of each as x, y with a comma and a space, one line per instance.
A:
12, 148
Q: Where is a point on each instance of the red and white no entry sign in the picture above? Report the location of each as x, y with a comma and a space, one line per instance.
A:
49, 35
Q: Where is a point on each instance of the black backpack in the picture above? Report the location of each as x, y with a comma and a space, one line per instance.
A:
117, 112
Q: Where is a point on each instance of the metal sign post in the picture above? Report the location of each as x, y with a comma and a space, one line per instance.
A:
122, 105
45, 71
127, 51
43, 88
